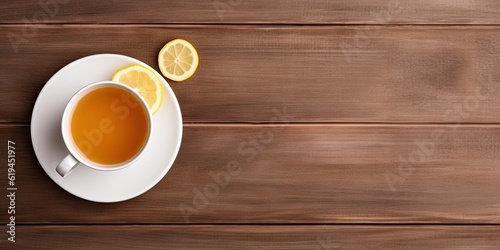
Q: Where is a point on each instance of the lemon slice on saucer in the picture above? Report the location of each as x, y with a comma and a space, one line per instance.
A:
178, 60
144, 81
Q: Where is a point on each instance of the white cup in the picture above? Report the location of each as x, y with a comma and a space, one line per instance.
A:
75, 157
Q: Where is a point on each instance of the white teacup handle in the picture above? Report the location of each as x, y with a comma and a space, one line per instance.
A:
68, 164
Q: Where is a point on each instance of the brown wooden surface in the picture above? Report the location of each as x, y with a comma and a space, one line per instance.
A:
404, 74
310, 174
259, 11
364, 85
260, 237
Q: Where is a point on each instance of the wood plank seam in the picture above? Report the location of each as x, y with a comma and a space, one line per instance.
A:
249, 149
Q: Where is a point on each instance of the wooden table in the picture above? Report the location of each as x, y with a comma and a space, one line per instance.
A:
353, 124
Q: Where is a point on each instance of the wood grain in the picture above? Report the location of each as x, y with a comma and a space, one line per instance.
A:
310, 124
257, 237
395, 75
301, 174
260, 11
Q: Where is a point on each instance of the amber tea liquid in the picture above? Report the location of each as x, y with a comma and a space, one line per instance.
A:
109, 125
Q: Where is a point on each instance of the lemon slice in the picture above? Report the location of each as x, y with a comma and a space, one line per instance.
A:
178, 60
144, 81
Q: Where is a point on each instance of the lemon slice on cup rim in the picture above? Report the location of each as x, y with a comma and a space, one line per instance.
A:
178, 60
144, 81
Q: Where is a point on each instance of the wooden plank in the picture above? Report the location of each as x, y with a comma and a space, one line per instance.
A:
256, 237
260, 11
293, 174
319, 74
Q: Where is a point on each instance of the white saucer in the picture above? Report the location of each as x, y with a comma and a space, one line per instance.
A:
87, 183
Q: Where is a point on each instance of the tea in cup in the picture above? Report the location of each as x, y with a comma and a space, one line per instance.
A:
105, 126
